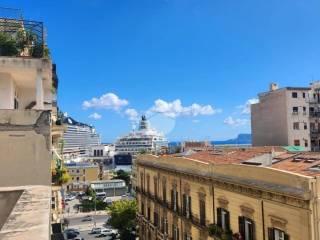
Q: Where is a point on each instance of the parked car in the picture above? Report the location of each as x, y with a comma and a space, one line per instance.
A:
72, 230
87, 219
69, 198
79, 238
71, 235
95, 231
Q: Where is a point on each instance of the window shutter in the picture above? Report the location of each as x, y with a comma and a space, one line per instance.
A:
252, 231
172, 201
184, 211
177, 233
177, 198
241, 226
271, 234
219, 214
286, 237
227, 220
190, 212
172, 231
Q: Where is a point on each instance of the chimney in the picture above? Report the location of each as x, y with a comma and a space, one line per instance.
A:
273, 86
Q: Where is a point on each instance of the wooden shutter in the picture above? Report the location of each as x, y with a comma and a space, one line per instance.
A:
177, 233
184, 210
252, 231
177, 198
270, 234
172, 201
190, 212
172, 231
227, 215
219, 215
241, 226
286, 237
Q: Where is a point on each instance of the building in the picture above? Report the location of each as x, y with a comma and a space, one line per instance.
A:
112, 188
101, 153
145, 139
82, 174
287, 117
27, 88
221, 194
78, 138
195, 146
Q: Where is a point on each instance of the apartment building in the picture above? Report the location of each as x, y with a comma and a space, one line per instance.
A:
287, 117
26, 100
82, 174
228, 193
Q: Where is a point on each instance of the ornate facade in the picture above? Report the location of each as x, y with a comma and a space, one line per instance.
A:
182, 198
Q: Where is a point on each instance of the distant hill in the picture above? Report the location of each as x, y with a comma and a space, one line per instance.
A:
242, 138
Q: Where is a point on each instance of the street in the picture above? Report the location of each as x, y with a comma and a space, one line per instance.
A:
75, 220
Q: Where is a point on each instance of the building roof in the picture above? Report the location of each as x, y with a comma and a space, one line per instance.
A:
80, 165
233, 155
306, 163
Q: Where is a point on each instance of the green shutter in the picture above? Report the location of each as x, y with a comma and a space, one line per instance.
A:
286, 237
241, 226
227, 220
270, 234
219, 215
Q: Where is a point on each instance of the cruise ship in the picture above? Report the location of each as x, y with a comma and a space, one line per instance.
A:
145, 139
78, 138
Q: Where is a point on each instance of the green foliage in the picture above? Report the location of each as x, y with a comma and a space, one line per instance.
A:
8, 46
123, 216
90, 192
125, 176
89, 205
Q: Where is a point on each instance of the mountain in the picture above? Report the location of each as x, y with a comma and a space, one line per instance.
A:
242, 138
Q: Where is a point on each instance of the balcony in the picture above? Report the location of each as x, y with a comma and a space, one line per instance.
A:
314, 114
22, 38
25, 212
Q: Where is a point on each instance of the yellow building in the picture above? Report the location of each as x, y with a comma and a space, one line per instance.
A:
258, 193
81, 174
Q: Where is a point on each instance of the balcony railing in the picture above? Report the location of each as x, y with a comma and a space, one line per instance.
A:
314, 114
22, 38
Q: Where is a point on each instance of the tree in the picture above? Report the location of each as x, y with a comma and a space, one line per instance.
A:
122, 217
8, 46
125, 176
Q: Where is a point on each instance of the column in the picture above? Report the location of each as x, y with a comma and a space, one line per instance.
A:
39, 90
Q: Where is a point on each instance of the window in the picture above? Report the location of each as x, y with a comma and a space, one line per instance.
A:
148, 214
304, 110
164, 192
78, 171
174, 200
202, 212
155, 219
186, 206
155, 183
294, 94
295, 110
141, 181
306, 143
175, 232
187, 236
296, 142
304, 95
277, 234
148, 184
223, 219
142, 208
77, 179
296, 126
246, 228
312, 126
164, 225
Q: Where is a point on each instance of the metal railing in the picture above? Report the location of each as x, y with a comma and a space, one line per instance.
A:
26, 38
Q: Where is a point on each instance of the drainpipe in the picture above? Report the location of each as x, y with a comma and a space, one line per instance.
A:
263, 224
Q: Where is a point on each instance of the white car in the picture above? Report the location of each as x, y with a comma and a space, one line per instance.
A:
95, 231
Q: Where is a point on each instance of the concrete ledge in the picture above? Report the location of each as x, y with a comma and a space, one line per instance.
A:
30, 217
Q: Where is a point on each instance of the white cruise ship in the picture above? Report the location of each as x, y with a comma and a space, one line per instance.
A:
79, 138
145, 139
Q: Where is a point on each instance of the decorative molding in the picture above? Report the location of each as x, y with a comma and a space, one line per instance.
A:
223, 202
247, 210
278, 222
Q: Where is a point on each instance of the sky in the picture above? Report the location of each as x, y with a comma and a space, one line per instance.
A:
192, 66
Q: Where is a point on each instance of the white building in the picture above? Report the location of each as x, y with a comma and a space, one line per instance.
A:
145, 139
116, 187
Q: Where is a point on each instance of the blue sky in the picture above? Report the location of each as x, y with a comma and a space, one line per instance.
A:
216, 53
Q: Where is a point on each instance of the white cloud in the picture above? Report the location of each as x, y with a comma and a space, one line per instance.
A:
195, 121
245, 108
235, 121
107, 101
132, 114
175, 109
95, 116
